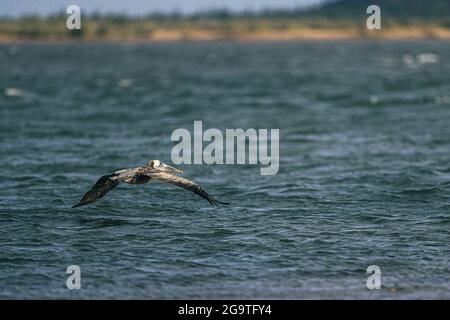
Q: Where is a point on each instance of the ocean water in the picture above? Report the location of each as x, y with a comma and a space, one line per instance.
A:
364, 174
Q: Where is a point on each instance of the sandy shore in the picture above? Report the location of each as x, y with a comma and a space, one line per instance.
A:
301, 34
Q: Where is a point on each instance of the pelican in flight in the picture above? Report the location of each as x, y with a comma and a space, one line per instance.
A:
155, 170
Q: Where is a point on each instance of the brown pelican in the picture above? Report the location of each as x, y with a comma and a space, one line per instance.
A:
155, 170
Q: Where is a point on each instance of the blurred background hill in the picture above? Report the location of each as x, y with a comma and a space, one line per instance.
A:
392, 9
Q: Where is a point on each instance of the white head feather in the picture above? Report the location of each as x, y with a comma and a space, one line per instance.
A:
154, 163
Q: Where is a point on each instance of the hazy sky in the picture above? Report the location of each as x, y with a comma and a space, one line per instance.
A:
141, 7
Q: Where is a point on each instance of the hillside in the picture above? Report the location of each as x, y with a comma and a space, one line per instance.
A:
391, 9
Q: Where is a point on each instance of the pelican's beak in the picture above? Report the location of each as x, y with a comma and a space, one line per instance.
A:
171, 169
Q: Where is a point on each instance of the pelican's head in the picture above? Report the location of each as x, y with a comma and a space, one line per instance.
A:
163, 167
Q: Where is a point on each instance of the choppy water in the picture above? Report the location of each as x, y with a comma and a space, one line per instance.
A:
364, 170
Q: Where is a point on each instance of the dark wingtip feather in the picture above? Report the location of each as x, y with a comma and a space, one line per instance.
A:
218, 203
77, 205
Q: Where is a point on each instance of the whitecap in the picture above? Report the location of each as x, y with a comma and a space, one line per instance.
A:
14, 92
124, 83
427, 58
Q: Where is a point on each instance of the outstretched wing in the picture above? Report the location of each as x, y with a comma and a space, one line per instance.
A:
188, 185
101, 187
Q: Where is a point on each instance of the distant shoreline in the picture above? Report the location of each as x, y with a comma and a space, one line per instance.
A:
240, 29
164, 36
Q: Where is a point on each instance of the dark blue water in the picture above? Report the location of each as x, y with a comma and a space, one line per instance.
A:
364, 170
